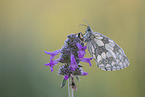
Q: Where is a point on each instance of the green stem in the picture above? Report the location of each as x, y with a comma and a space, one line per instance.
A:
72, 92
68, 89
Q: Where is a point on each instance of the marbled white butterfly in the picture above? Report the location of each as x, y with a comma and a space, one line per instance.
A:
107, 54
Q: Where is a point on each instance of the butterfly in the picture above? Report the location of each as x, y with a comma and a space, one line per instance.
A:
107, 54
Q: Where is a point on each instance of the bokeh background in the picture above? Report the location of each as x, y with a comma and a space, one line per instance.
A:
29, 27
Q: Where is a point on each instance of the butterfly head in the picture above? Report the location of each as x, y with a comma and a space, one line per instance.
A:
88, 29
88, 35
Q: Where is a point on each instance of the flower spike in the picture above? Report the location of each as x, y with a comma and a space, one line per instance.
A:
72, 53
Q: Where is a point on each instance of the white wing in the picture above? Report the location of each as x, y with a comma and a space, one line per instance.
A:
107, 54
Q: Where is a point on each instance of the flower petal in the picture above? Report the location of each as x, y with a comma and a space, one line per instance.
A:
87, 60
73, 66
66, 77
81, 51
53, 54
79, 46
52, 63
81, 54
84, 73
51, 68
47, 64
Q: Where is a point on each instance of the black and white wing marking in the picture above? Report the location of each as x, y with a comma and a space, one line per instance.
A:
107, 54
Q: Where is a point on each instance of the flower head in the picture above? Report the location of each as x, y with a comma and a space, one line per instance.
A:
72, 53
68, 48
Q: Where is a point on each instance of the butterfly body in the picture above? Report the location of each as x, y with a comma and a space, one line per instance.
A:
107, 54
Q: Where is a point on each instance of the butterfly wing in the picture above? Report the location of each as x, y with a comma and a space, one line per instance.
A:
107, 54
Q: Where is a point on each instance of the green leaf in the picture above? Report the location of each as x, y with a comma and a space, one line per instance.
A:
78, 79
63, 83
80, 66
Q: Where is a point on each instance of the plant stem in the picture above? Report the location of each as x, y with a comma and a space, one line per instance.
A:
68, 89
72, 91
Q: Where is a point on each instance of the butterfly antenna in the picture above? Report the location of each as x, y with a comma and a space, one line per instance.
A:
83, 25
87, 22
88, 27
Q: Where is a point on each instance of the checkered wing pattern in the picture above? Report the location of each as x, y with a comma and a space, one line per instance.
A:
107, 54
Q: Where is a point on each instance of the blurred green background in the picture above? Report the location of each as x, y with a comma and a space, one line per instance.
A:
29, 27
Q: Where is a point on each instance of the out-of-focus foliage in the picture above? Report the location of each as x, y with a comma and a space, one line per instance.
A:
28, 27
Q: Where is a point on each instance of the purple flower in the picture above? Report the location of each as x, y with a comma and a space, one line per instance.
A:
53, 54
84, 73
86, 60
66, 77
72, 53
81, 51
52, 63
73, 66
